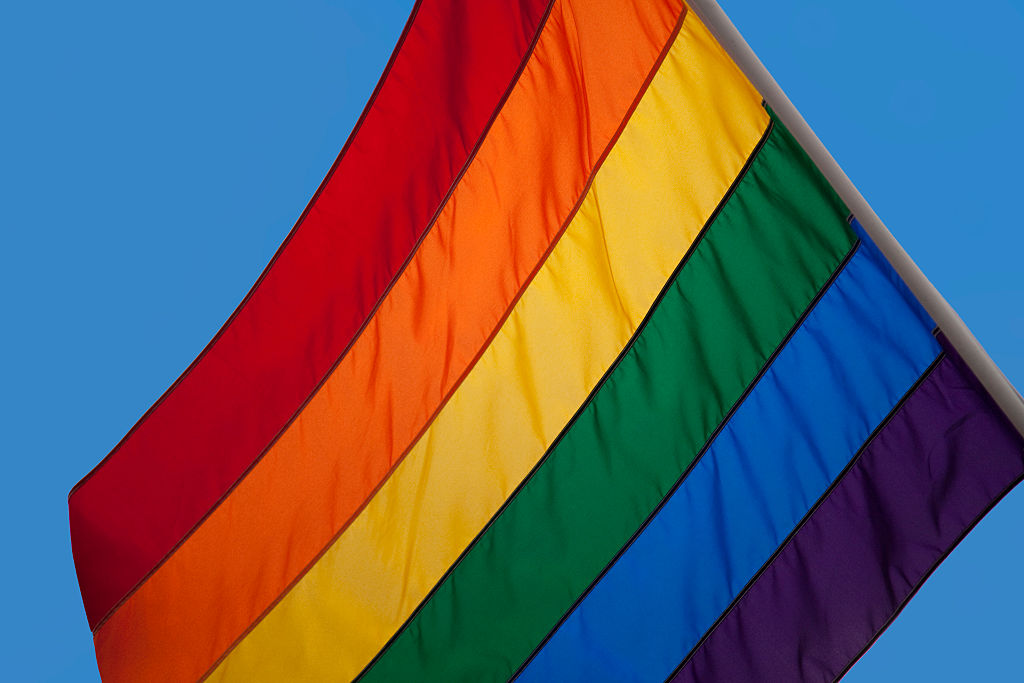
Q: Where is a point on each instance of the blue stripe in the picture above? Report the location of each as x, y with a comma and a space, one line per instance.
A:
861, 348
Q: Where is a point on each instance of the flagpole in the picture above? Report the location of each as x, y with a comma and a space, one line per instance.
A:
990, 376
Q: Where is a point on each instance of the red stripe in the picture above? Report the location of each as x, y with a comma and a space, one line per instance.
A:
434, 102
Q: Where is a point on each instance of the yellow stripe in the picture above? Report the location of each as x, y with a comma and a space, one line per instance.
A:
686, 142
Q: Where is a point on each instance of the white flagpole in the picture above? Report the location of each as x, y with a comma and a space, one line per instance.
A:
991, 377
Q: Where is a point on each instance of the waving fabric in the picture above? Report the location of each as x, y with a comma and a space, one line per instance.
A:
578, 369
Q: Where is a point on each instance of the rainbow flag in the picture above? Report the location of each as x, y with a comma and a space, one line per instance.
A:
584, 362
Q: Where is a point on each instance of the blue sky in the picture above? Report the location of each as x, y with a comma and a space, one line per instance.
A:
152, 157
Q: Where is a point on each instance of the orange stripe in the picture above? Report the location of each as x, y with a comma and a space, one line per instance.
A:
588, 66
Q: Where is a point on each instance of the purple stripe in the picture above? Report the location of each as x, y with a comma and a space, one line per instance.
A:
927, 477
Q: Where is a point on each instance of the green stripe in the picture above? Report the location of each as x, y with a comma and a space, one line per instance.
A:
775, 243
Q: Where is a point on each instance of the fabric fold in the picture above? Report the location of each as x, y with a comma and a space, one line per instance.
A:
571, 322
861, 348
444, 83
922, 483
588, 68
778, 239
